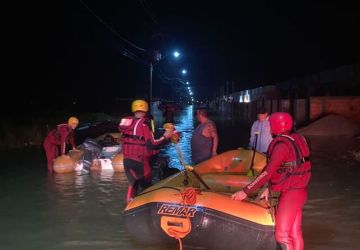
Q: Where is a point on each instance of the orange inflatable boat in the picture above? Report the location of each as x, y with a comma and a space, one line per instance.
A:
195, 207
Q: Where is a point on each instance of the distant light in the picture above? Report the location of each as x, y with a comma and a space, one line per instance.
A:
188, 88
187, 83
176, 54
184, 71
247, 96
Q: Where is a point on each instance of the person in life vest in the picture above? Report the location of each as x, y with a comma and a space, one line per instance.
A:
288, 172
58, 138
139, 146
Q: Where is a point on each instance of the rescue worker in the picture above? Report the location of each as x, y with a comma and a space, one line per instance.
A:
205, 140
59, 137
288, 172
139, 146
260, 134
169, 109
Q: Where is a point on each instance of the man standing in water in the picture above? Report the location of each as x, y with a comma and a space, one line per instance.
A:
288, 172
260, 135
204, 141
139, 145
59, 136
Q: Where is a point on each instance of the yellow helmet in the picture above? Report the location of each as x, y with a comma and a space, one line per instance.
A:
139, 105
73, 121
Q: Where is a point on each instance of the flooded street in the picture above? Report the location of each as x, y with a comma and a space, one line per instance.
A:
70, 211
331, 215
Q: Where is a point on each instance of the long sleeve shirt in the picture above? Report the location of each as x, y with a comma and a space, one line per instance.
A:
262, 130
61, 135
279, 154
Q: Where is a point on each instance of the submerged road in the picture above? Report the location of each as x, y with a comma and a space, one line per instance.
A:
41, 211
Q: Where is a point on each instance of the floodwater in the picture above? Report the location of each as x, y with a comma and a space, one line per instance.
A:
70, 211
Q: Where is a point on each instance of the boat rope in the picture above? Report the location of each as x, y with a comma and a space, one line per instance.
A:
188, 196
186, 180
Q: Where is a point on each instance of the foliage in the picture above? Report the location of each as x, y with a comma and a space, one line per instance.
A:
31, 130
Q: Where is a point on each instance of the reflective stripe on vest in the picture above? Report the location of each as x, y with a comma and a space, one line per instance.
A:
134, 142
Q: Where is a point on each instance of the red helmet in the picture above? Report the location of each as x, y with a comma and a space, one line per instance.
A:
280, 122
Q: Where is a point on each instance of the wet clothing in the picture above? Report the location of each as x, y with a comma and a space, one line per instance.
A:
261, 129
285, 169
201, 146
288, 172
138, 147
138, 138
55, 139
295, 171
289, 218
134, 171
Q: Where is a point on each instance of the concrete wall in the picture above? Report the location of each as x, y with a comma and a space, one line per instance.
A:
347, 106
303, 110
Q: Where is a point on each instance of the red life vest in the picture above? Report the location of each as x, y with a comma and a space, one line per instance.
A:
296, 172
61, 133
135, 141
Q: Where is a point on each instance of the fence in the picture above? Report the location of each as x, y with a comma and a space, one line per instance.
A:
303, 111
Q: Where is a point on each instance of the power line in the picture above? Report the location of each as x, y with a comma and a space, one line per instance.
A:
148, 10
169, 78
131, 55
110, 28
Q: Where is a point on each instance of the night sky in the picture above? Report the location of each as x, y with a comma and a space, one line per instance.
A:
61, 53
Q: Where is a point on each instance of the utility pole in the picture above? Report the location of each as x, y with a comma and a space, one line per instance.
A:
150, 90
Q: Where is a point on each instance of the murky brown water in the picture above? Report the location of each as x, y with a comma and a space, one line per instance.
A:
40, 211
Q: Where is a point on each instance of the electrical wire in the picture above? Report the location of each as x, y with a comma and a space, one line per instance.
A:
148, 10
169, 78
110, 28
132, 56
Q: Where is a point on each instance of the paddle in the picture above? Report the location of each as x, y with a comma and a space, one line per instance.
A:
175, 138
250, 173
189, 168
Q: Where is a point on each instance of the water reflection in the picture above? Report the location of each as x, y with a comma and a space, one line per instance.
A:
185, 124
77, 185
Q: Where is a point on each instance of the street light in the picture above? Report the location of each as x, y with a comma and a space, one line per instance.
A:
157, 57
184, 71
